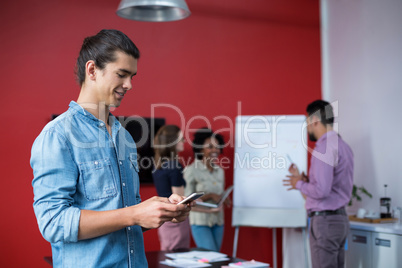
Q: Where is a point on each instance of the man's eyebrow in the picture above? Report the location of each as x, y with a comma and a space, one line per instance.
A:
127, 72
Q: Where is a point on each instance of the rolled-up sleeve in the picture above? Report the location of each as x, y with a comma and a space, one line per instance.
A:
54, 184
320, 187
321, 173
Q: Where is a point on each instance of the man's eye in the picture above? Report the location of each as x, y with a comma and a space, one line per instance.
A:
120, 75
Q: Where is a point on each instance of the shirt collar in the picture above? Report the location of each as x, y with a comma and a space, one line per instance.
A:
80, 110
200, 165
326, 135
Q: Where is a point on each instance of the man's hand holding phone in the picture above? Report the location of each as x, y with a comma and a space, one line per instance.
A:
191, 198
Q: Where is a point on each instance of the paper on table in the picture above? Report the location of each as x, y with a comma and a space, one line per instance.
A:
185, 263
211, 256
250, 264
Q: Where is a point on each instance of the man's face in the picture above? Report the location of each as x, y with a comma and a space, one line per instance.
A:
114, 80
310, 129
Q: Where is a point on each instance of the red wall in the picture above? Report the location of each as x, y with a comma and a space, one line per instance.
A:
265, 56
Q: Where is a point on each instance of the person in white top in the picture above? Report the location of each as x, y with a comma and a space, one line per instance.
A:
205, 175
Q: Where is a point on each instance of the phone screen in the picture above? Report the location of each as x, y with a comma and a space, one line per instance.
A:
191, 197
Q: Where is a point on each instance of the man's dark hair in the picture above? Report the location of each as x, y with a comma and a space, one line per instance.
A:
101, 49
326, 114
201, 136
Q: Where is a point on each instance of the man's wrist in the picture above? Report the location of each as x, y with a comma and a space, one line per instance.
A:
129, 216
299, 184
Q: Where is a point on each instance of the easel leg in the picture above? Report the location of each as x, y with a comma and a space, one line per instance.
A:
274, 247
236, 239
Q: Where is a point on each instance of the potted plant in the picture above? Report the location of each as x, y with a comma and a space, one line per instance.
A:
357, 192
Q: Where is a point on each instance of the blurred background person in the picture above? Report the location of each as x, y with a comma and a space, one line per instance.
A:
168, 179
205, 175
328, 187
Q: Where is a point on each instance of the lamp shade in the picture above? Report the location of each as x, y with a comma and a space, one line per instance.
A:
153, 10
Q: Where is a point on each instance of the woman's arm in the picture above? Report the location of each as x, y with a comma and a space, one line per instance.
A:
206, 210
178, 190
211, 196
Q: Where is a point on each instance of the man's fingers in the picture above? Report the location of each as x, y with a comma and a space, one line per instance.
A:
175, 198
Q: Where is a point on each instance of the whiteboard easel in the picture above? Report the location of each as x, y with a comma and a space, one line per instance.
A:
263, 146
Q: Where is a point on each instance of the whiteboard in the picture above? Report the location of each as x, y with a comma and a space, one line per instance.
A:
263, 146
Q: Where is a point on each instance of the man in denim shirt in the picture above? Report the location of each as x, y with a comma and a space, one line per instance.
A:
86, 184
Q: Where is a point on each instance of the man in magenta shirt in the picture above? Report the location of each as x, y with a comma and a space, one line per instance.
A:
327, 189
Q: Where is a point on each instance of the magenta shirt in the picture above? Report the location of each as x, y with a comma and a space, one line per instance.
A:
330, 174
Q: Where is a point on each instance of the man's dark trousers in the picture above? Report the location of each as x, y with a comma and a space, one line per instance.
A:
327, 240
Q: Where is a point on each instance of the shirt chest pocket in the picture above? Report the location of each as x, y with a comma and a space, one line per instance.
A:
98, 179
134, 162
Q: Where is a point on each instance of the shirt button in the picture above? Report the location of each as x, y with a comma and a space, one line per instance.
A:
129, 228
101, 124
132, 251
126, 206
96, 162
124, 184
121, 163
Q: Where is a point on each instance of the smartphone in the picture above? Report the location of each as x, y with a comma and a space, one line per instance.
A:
191, 198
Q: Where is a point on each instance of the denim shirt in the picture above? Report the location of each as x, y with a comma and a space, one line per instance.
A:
78, 165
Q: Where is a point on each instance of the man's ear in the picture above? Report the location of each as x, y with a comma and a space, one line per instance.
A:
315, 120
90, 70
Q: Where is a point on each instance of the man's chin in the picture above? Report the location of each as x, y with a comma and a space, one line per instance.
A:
312, 137
114, 105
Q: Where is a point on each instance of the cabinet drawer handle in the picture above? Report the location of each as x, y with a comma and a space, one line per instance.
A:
360, 239
383, 242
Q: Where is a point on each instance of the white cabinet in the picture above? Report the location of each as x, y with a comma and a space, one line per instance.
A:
374, 246
387, 251
359, 248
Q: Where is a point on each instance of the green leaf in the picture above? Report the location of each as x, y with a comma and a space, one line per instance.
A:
363, 190
355, 194
354, 190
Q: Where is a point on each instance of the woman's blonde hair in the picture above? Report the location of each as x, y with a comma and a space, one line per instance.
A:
165, 142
